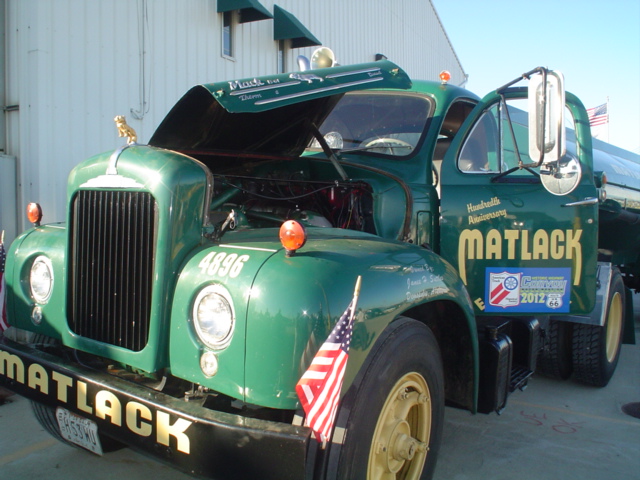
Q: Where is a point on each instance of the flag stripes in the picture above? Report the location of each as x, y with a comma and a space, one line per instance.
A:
319, 387
598, 115
321, 404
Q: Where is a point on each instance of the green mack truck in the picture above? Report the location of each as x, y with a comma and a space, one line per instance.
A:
166, 314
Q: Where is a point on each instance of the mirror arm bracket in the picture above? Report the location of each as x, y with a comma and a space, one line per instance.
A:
524, 76
511, 132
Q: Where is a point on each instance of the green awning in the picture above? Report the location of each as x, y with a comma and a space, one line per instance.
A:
250, 10
287, 26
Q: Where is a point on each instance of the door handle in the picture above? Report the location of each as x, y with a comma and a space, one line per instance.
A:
586, 201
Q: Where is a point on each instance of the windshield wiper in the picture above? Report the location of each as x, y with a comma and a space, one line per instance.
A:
328, 152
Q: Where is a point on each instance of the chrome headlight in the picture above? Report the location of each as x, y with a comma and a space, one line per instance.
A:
41, 279
214, 317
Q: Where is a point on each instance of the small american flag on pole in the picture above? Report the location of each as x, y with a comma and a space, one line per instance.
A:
320, 386
598, 115
3, 307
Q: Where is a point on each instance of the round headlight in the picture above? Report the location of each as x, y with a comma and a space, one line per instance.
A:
41, 279
214, 317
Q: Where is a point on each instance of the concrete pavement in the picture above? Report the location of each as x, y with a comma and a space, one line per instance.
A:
552, 430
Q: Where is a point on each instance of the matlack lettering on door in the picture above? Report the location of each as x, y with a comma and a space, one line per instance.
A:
522, 245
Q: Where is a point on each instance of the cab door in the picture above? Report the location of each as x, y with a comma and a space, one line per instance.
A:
523, 238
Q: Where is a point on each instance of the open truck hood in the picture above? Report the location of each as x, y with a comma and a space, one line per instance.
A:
270, 115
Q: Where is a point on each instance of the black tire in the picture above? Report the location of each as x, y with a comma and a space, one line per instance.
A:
395, 425
596, 349
555, 360
46, 415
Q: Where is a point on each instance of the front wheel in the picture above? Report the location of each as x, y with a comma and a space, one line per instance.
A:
395, 425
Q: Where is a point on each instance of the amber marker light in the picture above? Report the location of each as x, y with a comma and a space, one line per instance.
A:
445, 76
603, 179
292, 236
34, 213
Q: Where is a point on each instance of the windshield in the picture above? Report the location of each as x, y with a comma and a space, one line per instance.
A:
376, 122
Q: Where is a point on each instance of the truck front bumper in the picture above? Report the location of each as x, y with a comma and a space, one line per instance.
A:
196, 440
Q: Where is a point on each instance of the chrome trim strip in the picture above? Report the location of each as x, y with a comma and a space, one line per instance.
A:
319, 90
111, 181
355, 72
266, 87
113, 159
258, 249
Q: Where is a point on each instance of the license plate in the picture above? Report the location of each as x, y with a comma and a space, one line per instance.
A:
79, 430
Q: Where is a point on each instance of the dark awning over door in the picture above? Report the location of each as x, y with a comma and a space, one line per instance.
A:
287, 27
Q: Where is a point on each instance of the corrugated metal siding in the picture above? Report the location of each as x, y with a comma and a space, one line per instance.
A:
407, 32
73, 65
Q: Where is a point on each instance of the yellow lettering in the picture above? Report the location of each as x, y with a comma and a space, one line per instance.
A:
82, 398
573, 243
525, 254
38, 378
108, 405
475, 243
540, 245
135, 414
557, 247
164, 430
479, 303
494, 244
64, 383
470, 247
511, 236
527, 244
11, 366
574, 251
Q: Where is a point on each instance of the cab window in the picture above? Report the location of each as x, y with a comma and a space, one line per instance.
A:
499, 141
480, 151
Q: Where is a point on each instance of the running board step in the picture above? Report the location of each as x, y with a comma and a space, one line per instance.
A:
519, 378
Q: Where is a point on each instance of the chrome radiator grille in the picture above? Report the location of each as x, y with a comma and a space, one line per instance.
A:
113, 236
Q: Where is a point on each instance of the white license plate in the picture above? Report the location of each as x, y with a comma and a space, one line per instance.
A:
79, 430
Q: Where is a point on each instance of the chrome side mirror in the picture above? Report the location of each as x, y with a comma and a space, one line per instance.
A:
546, 117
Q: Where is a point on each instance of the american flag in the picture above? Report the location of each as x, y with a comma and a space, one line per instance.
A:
3, 307
320, 386
598, 115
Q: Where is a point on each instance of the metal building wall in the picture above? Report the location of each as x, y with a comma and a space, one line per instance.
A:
72, 65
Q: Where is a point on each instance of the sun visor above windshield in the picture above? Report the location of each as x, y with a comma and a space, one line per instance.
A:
270, 115
264, 93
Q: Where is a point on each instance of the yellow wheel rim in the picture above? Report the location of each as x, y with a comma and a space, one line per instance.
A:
400, 442
614, 326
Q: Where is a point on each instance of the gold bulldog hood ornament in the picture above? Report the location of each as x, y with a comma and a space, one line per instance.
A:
111, 178
125, 130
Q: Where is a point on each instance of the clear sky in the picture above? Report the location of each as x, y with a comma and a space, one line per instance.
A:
594, 43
